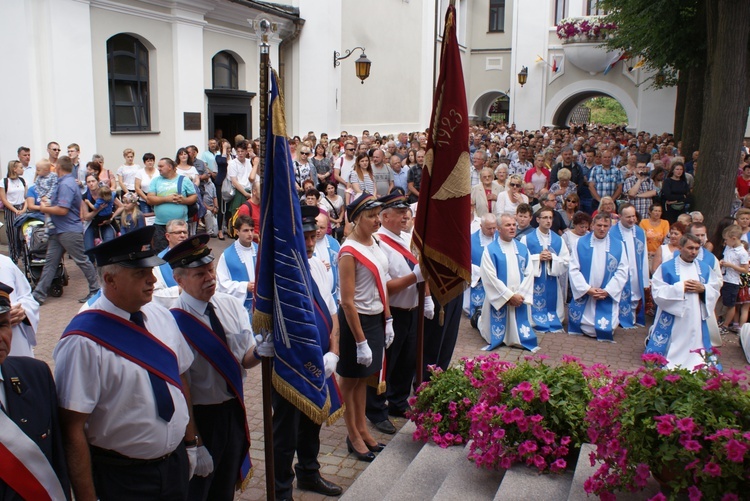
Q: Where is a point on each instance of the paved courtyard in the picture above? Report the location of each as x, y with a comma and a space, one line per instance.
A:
336, 464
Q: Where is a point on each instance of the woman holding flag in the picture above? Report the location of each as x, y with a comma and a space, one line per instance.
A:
365, 321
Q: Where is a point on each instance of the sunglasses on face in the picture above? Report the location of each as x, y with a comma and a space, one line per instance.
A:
515, 185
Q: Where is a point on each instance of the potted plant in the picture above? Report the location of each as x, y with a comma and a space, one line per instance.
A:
584, 29
690, 429
531, 413
439, 407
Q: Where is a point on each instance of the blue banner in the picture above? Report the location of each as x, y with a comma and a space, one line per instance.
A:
283, 298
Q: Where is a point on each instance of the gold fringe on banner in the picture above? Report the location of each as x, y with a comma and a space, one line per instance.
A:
336, 415
242, 484
374, 381
316, 415
262, 322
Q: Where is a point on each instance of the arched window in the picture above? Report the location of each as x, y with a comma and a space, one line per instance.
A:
224, 69
127, 73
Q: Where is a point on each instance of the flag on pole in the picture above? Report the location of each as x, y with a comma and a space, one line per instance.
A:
616, 58
283, 297
441, 229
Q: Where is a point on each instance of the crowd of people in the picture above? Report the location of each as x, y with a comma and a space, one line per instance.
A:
584, 229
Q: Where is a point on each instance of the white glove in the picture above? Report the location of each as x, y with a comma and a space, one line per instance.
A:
192, 454
418, 273
330, 360
204, 463
389, 334
364, 354
429, 308
264, 348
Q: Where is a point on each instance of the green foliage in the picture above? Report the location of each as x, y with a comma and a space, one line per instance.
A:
606, 111
439, 406
669, 34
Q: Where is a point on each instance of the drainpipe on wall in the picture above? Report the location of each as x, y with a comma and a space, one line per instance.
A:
298, 24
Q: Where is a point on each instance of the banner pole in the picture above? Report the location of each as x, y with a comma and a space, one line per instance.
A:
420, 332
266, 362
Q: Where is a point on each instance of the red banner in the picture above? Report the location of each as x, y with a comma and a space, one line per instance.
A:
441, 234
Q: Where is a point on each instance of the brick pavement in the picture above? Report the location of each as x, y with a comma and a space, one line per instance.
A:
336, 465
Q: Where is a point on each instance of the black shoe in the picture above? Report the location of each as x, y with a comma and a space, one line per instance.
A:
385, 426
89, 296
378, 447
321, 486
397, 412
368, 457
474, 321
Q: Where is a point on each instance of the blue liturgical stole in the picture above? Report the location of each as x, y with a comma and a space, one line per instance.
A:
603, 321
499, 318
544, 307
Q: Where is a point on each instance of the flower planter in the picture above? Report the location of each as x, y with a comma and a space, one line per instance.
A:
590, 56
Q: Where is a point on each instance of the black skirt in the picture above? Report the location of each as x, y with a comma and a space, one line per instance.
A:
374, 328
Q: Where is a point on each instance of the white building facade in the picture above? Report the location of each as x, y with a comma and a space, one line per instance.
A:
155, 75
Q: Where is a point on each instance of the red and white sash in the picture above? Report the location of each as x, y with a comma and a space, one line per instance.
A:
361, 255
25, 468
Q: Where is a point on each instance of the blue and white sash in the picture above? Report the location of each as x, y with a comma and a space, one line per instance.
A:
544, 307
238, 272
215, 351
603, 321
333, 259
661, 332
628, 318
166, 271
476, 294
499, 318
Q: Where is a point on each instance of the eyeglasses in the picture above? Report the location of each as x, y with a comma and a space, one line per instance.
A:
54, 149
571, 201
178, 232
350, 149
304, 153
515, 185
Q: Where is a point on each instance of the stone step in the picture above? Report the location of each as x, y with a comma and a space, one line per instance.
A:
521, 483
468, 483
376, 481
584, 470
426, 473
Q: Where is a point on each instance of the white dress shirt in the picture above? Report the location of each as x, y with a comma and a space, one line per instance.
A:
397, 268
117, 393
207, 386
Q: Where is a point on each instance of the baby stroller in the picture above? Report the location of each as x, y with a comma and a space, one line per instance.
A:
34, 252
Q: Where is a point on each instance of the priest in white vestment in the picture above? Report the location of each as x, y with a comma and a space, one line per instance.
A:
598, 273
549, 261
508, 285
633, 239
700, 231
685, 292
474, 294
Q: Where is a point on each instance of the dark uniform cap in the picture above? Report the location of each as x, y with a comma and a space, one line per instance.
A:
132, 250
191, 253
366, 201
5, 291
394, 201
309, 213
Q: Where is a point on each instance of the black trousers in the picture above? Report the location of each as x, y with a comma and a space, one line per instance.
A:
440, 341
116, 480
222, 429
293, 431
401, 358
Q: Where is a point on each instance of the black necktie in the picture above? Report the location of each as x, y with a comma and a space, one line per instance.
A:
218, 330
215, 323
164, 404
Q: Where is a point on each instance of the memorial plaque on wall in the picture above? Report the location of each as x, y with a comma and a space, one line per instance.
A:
192, 121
